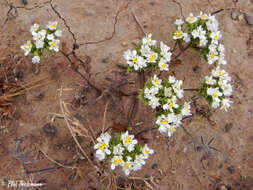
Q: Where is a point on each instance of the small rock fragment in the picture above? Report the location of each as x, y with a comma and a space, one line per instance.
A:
105, 60
231, 169
195, 69
234, 15
154, 166
220, 166
248, 19
228, 127
24, 2
50, 130
124, 44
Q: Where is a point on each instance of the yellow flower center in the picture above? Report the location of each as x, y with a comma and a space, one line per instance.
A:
215, 94
52, 25
147, 151
221, 73
27, 46
127, 165
216, 37
164, 65
191, 19
178, 34
172, 129
152, 58
149, 40
102, 146
171, 105
135, 60
203, 16
164, 121
117, 161
212, 55
128, 140
157, 82
53, 44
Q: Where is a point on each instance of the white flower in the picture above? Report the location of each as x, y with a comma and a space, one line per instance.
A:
165, 52
128, 141
40, 36
168, 92
149, 93
203, 16
171, 104
163, 123
210, 80
138, 162
127, 166
178, 34
154, 102
27, 47
216, 36
39, 44
203, 42
199, 32
214, 92
58, 33
116, 161
52, 25
118, 149
221, 48
36, 59
177, 88
163, 65
186, 37
54, 45
191, 19
148, 40
156, 81
179, 22
145, 50
50, 37
227, 89
221, 73
102, 146
147, 151
222, 60
172, 79
212, 47
225, 104
186, 111
212, 57
171, 130
212, 24
216, 103
133, 60
152, 57
34, 28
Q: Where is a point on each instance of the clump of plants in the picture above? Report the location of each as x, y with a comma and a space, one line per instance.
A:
42, 39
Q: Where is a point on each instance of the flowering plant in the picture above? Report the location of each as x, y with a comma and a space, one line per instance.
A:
203, 35
163, 96
123, 150
42, 39
148, 55
216, 89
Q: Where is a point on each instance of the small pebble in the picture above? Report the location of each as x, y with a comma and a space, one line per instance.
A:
248, 19
124, 44
154, 166
50, 130
228, 127
24, 2
77, 116
222, 187
234, 15
195, 69
75, 46
240, 17
220, 166
231, 169
105, 60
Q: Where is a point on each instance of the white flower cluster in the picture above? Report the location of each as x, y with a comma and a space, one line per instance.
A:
163, 96
123, 150
216, 89
148, 55
202, 32
42, 39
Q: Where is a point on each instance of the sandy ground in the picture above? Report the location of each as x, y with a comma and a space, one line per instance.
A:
105, 29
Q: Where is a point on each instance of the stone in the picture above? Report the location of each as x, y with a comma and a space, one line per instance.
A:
234, 15
248, 19
228, 127
231, 169
50, 130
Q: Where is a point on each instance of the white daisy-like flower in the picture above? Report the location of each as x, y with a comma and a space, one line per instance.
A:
186, 37
39, 44
127, 166
222, 60
210, 80
145, 50
40, 36
156, 81
163, 121
179, 22
163, 65
54, 45
27, 47
172, 79
225, 104
168, 92
199, 32
212, 57
203, 42
227, 89
152, 57
212, 24
214, 92
138, 162
133, 60
191, 18
102, 146
220, 73
58, 33
36, 59
50, 37
216, 103
52, 25
34, 28
148, 40
154, 103
186, 111
212, 47
118, 149
171, 130
177, 88
171, 104
215, 36
178, 34
116, 161
146, 151
149, 93
221, 48
165, 52
203, 16
128, 141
